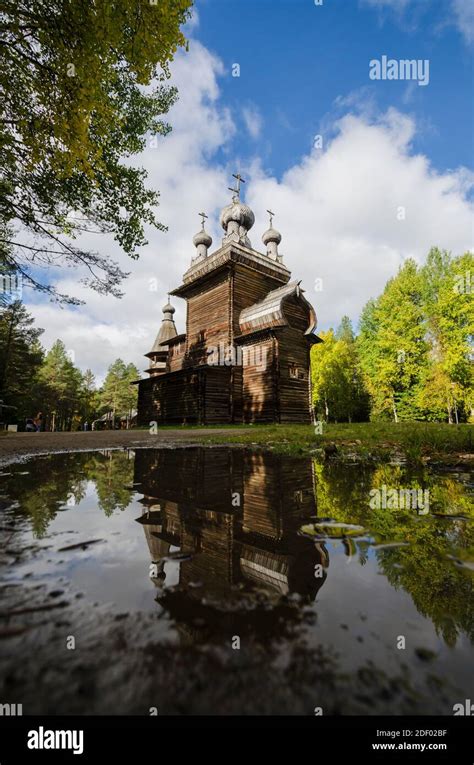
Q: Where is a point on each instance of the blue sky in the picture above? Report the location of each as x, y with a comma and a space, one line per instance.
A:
387, 146
298, 59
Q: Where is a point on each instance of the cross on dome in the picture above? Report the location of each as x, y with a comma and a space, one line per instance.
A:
239, 180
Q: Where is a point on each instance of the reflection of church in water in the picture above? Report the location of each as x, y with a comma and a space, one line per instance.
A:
232, 517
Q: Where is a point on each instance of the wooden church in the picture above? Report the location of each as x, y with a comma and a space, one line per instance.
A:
245, 354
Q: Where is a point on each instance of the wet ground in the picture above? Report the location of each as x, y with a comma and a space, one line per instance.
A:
19, 445
212, 580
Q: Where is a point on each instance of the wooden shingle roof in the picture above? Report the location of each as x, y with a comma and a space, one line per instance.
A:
269, 312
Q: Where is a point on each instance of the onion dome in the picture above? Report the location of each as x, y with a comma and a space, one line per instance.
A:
202, 237
271, 235
237, 212
202, 241
271, 239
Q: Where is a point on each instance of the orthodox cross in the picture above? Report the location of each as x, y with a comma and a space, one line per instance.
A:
239, 180
203, 217
271, 214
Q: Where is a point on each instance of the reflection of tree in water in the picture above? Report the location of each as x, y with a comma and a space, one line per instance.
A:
112, 473
50, 484
441, 591
47, 484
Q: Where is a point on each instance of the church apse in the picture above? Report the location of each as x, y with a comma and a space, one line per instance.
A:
245, 355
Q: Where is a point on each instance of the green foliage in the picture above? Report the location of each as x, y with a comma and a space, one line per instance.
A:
424, 568
118, 395
63, 485
89, 397
415, 342
32, 381
337, 387
448, 390
60, 384
75, 104
392, 346
112, 474
21, 356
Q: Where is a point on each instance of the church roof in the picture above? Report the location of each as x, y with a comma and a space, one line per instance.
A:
166, 332
269, 311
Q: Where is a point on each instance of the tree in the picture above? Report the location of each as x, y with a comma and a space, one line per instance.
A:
60, 384
89, 397
338, 390
118, 396
345, 331
448, 389
73, 77
21, 356
393, 348
112, 474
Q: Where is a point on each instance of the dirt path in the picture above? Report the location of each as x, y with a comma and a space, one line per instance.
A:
14, 445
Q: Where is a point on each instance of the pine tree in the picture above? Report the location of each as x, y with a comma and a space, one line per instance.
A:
118, 396
89, 402
60, 383
21, 356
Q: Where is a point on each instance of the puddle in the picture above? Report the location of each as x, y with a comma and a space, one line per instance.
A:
242, 559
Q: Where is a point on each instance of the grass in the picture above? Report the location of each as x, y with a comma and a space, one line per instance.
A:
414, 439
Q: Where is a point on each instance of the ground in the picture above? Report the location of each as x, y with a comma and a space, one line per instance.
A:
15, 445
414, 441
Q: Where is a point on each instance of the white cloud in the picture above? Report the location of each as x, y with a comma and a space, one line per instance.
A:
464, 15
181, 169
253, 120
336, 209
193, 23
461, 13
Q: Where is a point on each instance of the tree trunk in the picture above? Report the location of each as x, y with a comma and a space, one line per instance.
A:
450, 414
395, 413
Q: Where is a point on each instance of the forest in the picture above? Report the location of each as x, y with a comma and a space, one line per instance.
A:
33, 380
412, 356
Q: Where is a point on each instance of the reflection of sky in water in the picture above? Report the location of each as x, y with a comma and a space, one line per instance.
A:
358, 612
114, 571
362, 599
